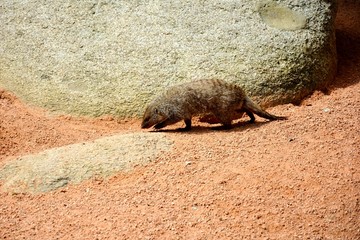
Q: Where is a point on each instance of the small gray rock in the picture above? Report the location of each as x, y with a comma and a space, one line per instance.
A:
326, 110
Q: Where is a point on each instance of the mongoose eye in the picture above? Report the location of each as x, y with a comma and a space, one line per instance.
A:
156, 111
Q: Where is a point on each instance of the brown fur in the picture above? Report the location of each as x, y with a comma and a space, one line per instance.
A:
219, 98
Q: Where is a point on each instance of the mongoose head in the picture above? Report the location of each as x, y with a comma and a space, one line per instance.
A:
153, 116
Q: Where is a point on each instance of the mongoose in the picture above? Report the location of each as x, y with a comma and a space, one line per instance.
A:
217, 97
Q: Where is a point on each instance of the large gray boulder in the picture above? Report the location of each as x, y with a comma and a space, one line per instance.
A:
111, 57
72, 164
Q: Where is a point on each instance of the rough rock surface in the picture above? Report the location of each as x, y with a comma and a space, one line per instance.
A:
110, 57
103, 157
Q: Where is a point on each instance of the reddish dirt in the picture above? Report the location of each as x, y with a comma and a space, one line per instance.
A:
293, 179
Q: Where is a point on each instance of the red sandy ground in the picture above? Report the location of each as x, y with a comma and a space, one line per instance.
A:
294, 179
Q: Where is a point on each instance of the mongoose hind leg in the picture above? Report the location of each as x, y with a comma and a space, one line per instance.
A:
225, 120
251, 115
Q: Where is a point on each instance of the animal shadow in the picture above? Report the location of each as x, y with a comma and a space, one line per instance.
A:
199, 129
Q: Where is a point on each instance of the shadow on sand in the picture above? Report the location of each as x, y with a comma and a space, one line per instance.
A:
196, 129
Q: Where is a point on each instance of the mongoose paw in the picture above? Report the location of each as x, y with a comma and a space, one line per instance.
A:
185, 129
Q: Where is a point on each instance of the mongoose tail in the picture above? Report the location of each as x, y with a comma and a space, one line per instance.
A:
251, 107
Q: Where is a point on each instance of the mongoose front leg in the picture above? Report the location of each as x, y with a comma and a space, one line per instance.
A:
225, 120
168, 121
187, 124
160, 125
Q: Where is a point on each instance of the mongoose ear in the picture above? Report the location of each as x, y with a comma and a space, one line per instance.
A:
156, 111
